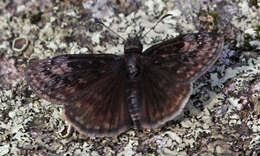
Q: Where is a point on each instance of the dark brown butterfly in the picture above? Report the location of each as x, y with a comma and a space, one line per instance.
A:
105, 94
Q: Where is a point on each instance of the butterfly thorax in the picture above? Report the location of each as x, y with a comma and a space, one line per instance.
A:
133, 45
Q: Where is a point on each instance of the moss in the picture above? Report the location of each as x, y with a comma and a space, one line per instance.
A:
257, 29
253, 3
247, 45
209, 20
252, 37
215, 17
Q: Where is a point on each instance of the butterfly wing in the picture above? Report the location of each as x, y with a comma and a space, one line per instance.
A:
90, 86
169, 68
187, 56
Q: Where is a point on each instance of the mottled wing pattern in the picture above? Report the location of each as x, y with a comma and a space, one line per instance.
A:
169, 69
90, 86
187, 56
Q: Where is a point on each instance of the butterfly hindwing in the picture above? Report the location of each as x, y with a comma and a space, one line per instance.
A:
102, 110
162, 97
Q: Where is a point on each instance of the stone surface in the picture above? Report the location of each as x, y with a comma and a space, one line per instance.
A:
221, 117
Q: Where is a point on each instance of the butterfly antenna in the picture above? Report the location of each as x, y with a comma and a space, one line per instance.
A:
98, 21
152, 28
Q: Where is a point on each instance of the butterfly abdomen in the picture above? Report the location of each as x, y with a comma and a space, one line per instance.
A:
133, 94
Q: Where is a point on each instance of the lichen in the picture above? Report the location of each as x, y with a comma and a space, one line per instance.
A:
219, 118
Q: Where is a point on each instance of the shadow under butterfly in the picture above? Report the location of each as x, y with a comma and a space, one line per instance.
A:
106, 94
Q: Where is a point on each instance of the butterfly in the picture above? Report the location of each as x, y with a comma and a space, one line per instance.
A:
106, 94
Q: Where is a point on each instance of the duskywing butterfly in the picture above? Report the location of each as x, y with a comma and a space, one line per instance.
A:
105, 94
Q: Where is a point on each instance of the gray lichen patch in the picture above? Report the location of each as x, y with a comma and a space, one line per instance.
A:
222, 116
9, 74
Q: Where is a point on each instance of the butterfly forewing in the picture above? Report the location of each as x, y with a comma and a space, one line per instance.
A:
187, 57
63, 78
90, 86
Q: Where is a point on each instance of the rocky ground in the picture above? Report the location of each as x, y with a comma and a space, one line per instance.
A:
221, 118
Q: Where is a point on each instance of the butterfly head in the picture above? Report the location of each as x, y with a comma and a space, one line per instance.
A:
133, 45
